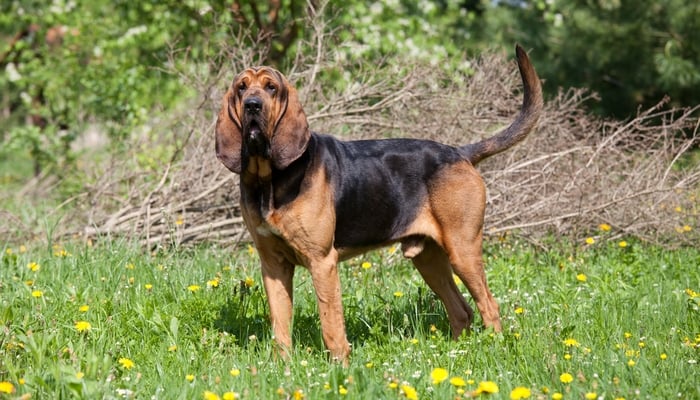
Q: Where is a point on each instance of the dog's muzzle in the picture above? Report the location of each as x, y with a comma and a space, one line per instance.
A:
254, 137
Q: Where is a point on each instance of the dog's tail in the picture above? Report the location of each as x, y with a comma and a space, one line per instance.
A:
523, 124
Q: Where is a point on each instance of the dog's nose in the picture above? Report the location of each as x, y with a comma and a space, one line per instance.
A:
253, 105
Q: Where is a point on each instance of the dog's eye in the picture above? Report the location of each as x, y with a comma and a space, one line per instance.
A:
241, 88
271, 88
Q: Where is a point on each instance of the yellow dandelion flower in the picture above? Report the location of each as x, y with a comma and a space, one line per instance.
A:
79, 375
627, 335
83, 326
520, 393
567, 356
189, 377
519, 310
7, 387
581, 277
591, 396
235, 372
409, 392
678, 209
457, 382
298, 394
280, 391
619, 398
37, 293
251, 250
456, 279
398, 294
213, 283
663, 356
22, 249
21, 381
687, 228
126, 363
369, 365
148, 287
29, 282
641, 344
249, 282
366, 265
172, 347
180, 220
342, 390
229, 396
413, 341
438, 375
34, 267
487, 387
622, 244
8, 251
84, 308
193, 288
393, 385
571, 342
590, 241
433, 328
130, 266
566, 377
557, 396
604, 227
210, 395
631, 363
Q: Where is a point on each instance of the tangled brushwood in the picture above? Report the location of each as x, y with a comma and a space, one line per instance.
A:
573, 173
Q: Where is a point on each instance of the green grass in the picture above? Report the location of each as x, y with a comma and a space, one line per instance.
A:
635, 325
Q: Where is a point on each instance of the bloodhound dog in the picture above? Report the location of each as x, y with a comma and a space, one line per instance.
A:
313, 200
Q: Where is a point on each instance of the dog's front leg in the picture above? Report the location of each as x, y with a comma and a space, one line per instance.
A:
278, 275
324, 274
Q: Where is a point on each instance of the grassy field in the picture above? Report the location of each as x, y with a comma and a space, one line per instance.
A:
603, 320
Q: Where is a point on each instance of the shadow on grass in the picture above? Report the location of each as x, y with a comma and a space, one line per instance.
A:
246, 316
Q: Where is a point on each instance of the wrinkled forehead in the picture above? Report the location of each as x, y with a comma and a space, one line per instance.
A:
260, 75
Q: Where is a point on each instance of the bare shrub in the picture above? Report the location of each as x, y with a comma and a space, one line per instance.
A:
573, 173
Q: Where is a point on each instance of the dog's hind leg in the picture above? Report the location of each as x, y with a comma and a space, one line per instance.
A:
434, 266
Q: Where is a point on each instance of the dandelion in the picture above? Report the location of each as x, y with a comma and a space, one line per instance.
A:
189, 377
84, 308
567, 356
457, 382
7, 387
622, 244
566, 377
663, 356
487, 387
590, 241
369, 365
83, 326
229, 396
581, 277
409, 392
249, 282
520, 393
210, 395
366, 265
519, 310
126, 363
213, 283
79, 375
235, 372
398, 294
438, 375
34, 267
571, 342
37, 293
29, 283
627, 335
193, 288
557, 396
433, 328
591, 396
604, 227
687, 228
298, 394
342, 390
251, 250
393, 385
148, 287
180, 220
130, 266
413, 341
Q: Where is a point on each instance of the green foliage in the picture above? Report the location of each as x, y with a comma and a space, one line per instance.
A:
621, 319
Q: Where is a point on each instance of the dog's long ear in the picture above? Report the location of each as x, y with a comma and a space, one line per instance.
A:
229, 134
291, 135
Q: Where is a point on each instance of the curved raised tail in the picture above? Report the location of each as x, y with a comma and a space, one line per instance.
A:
524, 122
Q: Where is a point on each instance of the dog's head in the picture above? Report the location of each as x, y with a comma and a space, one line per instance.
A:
260, 117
